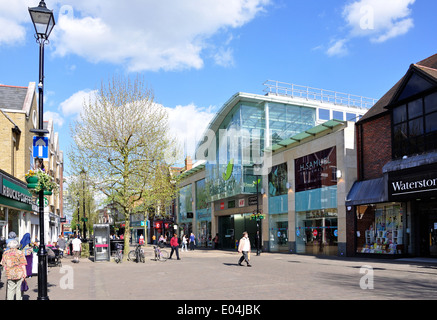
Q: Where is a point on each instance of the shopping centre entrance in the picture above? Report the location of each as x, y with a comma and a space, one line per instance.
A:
231, 230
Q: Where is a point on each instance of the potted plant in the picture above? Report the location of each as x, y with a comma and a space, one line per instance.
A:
38, 180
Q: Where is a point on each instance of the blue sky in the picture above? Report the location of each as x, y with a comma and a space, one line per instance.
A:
195, 54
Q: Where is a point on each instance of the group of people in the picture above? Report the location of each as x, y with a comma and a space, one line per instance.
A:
17, 262
18, 259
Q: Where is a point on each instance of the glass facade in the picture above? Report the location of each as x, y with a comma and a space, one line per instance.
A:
203, 215
278, 208
185, 209
242, 137
316, 203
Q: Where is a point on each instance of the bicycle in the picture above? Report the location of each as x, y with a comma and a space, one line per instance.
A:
160, 254
119, 253
136, 255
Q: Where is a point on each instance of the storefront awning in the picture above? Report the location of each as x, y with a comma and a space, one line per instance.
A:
367, 192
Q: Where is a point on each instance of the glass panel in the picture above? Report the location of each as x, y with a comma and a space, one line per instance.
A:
400, 114
324, 114
380, 229
431, 122
351, 117
416, 127
278, 179
415, 108
337, 115
431, 103
415, 85
316, 232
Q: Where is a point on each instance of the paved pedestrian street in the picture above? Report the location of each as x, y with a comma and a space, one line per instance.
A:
215, 275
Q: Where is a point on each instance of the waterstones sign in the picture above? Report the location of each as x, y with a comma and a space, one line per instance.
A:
412, 186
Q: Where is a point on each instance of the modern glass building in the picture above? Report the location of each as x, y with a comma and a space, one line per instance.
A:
250, 178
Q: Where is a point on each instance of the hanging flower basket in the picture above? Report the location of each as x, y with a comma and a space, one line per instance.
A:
38, 180
257, 216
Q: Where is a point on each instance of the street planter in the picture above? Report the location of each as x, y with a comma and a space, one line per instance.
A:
39, 180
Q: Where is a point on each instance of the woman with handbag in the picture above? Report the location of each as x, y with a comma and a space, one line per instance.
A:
14, 262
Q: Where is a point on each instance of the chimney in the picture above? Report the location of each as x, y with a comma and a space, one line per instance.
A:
188, 163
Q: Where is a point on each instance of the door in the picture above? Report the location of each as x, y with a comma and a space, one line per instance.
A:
432, 234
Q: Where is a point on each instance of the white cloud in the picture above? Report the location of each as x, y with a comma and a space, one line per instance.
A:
380, 20
338, 48
12, 16
188, 124
376, 20
56, 117
148, 34
74, 104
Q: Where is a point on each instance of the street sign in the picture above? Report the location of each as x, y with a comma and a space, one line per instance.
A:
46, 202
41, 147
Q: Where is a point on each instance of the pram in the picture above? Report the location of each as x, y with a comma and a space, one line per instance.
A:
54, 257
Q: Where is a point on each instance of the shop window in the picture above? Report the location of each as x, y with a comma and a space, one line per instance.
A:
317, 232
380, 229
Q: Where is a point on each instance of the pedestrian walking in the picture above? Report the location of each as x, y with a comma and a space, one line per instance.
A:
216, 241
62, 244
141, 240
184, 243
77, 246
11, 236
244, 249
174, 244
14, 263
192, 241
25, 247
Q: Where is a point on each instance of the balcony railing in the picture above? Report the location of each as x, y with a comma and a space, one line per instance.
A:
322, 95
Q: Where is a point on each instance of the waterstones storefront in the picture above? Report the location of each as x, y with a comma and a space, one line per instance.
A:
17, 207
415, 186
400, 216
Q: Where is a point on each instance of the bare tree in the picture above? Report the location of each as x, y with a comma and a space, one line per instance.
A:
121, 140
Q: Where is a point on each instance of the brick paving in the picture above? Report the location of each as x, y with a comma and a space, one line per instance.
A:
215, 275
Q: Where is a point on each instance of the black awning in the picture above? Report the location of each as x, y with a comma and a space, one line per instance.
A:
367, 192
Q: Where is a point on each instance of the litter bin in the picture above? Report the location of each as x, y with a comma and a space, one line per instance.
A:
102, 250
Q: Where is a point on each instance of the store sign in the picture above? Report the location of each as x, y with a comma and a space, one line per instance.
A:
253, 201
14, 192
412, 185
316, 170
241, 202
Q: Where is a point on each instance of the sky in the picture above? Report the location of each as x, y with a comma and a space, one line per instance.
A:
196, 54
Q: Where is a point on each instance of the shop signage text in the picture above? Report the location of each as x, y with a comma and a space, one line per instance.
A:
411, 185
16, 195
316, 170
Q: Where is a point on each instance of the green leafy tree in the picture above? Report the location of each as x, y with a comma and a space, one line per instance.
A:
122, 141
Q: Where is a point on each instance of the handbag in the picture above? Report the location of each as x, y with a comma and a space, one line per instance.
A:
24, 286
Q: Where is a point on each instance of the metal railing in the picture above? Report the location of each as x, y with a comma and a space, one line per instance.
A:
322, 95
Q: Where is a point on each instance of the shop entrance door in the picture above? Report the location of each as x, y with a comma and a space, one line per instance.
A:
428, 229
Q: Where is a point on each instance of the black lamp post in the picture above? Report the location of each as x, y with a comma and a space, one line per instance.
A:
83, 174
43, 21
258, 219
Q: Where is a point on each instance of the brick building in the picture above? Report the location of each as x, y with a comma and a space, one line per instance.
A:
18, 208
392, 207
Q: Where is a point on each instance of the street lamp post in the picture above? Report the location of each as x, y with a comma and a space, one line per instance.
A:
83, 174
43, 21
258, 220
